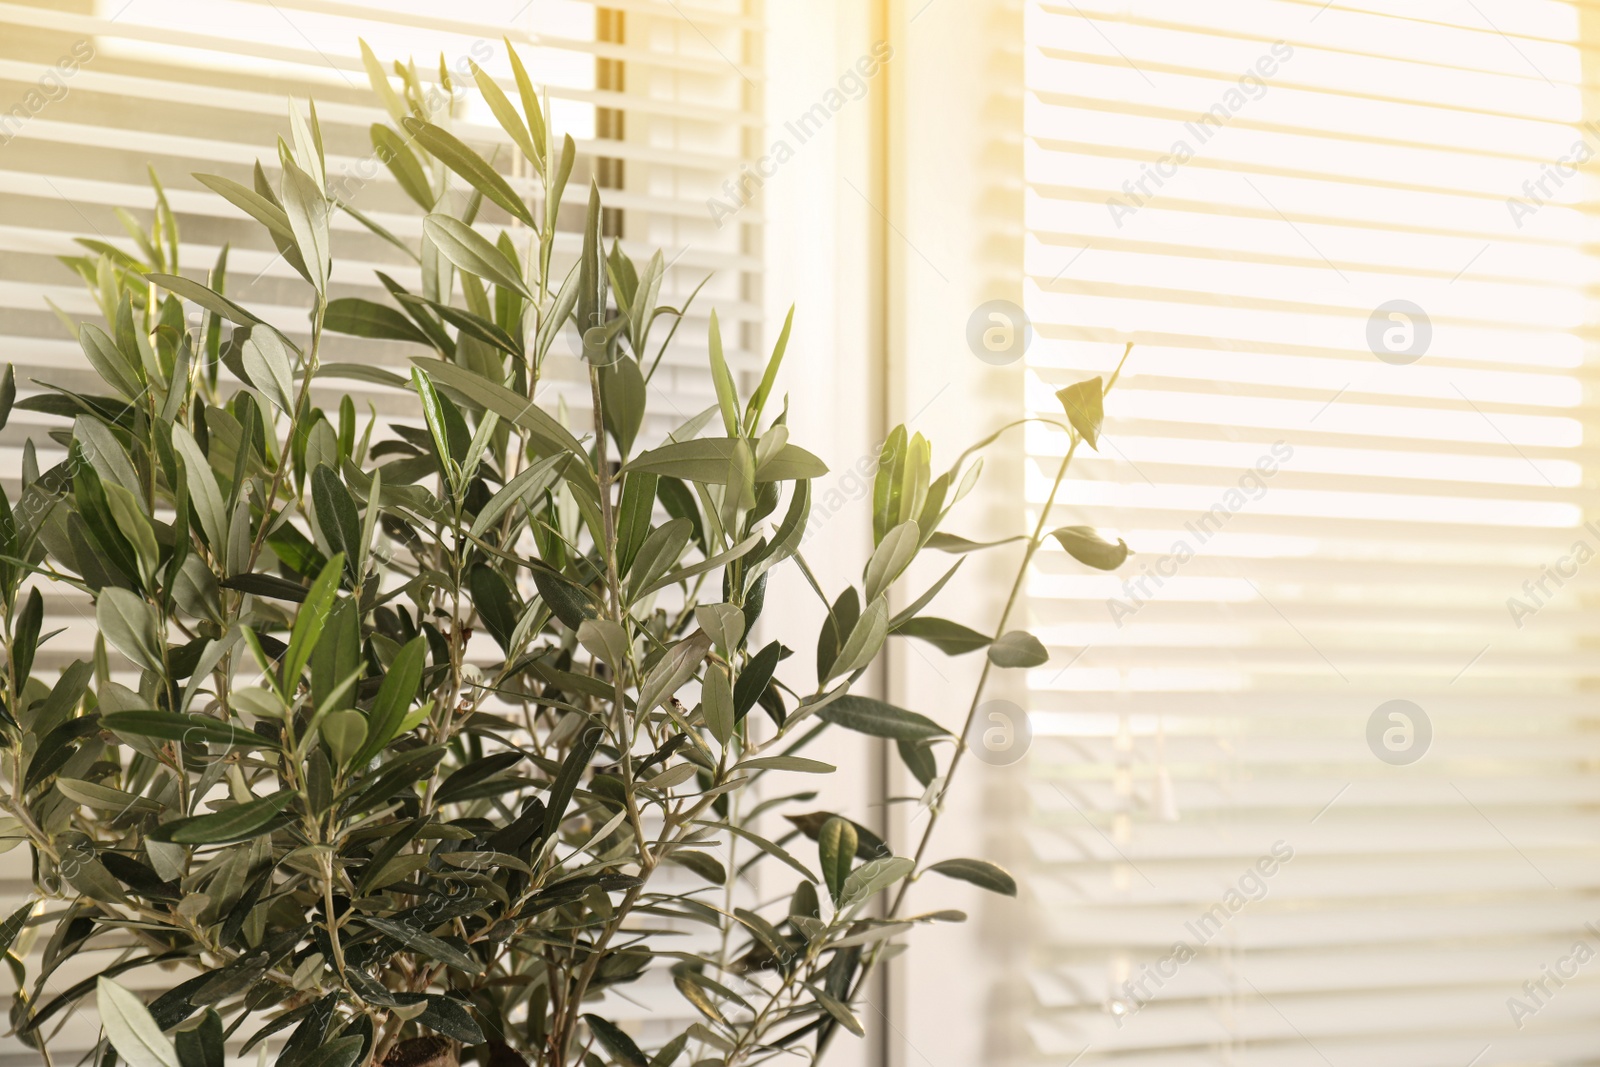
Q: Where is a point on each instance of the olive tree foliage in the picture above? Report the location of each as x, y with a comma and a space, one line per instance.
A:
389, 733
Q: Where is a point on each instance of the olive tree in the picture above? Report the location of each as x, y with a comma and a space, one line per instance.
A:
391, 727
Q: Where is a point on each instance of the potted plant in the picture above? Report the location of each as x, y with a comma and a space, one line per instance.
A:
388, 736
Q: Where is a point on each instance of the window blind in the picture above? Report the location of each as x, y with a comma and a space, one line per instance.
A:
1314, 775
663, 98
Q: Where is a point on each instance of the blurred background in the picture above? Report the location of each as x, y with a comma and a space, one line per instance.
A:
1312, 780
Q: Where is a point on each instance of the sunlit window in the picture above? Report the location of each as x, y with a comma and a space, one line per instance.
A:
1349, 243
319, 47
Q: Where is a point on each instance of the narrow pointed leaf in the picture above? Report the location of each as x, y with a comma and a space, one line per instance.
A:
425, 943
1084, 404
865, 715
238, 823
473, 253
836, 852
1018, 649
1089, 548
471, 166
130, 1029
980, 873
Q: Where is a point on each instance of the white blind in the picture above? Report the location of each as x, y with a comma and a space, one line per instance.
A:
1332, 496
662, 96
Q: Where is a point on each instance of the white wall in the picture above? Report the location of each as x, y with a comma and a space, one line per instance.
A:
820, 258
888, 228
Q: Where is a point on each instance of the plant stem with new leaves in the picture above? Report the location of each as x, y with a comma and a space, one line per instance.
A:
936, 807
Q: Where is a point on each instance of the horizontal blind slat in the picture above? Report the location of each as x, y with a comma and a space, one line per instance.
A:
1213, 696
